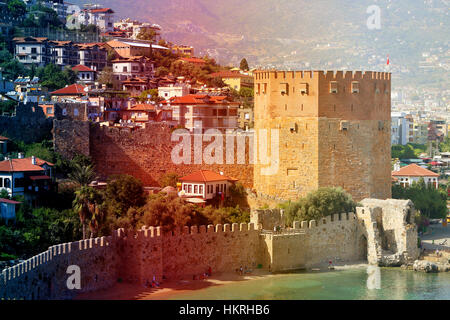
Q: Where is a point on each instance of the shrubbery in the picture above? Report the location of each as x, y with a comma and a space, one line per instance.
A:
318, 204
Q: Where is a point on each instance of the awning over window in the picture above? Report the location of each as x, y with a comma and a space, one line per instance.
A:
40, 178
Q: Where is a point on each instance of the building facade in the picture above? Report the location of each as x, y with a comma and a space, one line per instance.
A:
322, 129
203, 111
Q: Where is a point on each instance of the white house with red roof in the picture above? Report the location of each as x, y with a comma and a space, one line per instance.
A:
73, 91
407, 175
206, 185
25, 176
101, 17
85, 74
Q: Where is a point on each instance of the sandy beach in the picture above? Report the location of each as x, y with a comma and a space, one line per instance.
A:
167, 289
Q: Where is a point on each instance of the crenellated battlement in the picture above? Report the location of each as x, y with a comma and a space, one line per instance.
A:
52, 253
264, 75
335, 218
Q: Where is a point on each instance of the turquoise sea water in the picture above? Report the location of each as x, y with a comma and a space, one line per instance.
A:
364, 283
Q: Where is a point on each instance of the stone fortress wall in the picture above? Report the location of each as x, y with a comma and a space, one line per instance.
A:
381, 232
143, 153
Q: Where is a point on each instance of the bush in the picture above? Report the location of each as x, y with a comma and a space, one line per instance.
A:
318, 204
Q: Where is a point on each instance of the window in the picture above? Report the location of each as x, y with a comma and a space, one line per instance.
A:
33, 50
7, 183
225, 188
355, 87
1, 182
333, 87
75, 112
125, 69
217, 188
303, 88
19, 182
200, 190
195, 189
284, 89
49, 110
189, 188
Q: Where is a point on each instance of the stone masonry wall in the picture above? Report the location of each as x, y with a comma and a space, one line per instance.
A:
71, 137
142, 153
28, 125
327, 138
382, 231
44, 276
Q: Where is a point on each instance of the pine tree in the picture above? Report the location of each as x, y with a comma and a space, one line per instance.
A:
244, 65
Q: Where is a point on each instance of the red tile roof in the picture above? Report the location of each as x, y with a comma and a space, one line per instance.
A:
2, 138
229, 74
194, 60
143, 107
80, 67
199, 99
9, 201
413, 170
206, 176
101, 10
73, 89
19, 165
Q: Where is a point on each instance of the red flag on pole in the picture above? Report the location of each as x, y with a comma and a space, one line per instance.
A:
388, 60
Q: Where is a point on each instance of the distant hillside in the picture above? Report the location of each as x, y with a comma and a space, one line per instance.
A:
288, 33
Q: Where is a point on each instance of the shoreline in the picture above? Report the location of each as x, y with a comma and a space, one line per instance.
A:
169, 289
132, 291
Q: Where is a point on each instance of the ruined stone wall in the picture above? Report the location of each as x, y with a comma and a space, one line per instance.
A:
268, 219
28, 125
395, 228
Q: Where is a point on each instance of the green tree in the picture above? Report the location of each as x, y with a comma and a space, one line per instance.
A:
86, 202
106, 77
244, 65
12, 68
82, 175
169, 179
444, 146
54, 78
246, 92
122, 193
16, 8
320, 203
147, 34
431, 202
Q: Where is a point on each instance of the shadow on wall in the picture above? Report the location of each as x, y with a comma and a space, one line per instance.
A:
146, 155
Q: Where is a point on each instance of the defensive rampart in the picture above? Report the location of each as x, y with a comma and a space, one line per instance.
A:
381, 232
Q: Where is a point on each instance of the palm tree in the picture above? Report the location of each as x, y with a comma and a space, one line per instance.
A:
85, 203
82, 175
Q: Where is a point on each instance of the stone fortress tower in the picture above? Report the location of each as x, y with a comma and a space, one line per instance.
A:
334, 130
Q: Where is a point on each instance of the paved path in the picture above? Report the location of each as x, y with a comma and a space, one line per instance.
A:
439, 234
